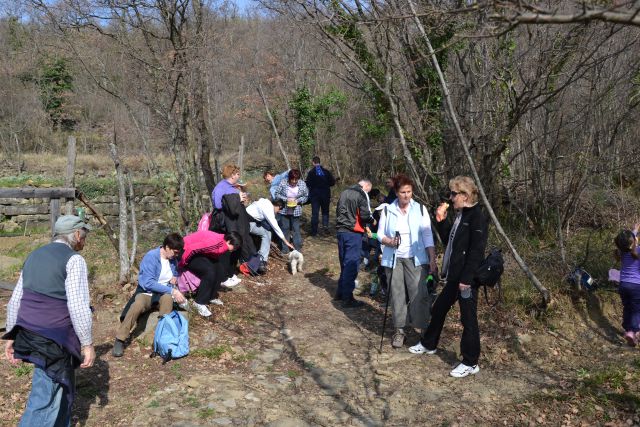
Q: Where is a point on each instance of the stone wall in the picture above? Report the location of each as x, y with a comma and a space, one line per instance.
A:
150, 201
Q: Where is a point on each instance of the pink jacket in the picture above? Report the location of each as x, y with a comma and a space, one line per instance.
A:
202, 242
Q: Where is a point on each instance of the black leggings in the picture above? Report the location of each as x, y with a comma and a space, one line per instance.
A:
211, 272
470, 341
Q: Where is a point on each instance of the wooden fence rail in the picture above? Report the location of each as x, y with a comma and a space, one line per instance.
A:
54, 195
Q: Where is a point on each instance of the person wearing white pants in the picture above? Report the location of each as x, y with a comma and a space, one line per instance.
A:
263, 220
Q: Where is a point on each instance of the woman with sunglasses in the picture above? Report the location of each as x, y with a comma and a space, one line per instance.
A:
465, 239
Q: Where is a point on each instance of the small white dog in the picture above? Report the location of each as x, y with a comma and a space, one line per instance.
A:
296, 261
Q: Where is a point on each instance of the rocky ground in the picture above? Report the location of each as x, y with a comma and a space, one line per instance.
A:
280, 352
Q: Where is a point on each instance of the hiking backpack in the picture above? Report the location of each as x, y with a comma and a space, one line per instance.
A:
171, 339
212, 221
489, 272
204, 222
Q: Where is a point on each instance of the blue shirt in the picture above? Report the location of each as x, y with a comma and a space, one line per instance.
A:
150, 268
276, 182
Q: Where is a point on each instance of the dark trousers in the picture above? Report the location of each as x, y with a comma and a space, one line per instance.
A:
349, 250
630, 296
319, 202
470, 341
228, 262
210, 272
291, 227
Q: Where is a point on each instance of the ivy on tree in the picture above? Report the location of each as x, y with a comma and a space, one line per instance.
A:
56, 83
309, 112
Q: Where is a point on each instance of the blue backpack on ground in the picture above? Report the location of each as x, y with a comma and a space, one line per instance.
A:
171, 339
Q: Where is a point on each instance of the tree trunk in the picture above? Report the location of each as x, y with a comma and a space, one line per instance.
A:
123, 251
69, 180
134, 225
241, 155
273, 126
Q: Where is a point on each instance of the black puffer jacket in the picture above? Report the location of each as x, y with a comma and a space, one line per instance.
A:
352, 210
468, 243
237, 219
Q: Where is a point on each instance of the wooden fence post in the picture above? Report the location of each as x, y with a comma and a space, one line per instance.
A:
69, 181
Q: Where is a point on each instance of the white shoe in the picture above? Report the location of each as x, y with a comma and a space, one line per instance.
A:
463, 370
203, 310
231, 282
216, 301
420, 349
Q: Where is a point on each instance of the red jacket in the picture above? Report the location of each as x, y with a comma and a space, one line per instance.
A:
203, 242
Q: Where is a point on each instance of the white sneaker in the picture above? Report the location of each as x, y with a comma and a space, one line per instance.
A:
231, 282
420, 349
216, 301
463, 370
203, 310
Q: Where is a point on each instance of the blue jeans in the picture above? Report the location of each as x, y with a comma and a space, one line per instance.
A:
265, 239
319, 202
291, 225
47, 404
349, 250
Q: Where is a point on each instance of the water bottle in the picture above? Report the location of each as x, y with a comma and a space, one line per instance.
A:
375, 287
465, 293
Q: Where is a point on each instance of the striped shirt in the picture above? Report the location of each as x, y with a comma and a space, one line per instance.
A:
78, 301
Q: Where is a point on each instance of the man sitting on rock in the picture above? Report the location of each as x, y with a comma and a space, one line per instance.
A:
156, 280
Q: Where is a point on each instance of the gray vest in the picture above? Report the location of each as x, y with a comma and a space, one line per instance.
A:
45, 270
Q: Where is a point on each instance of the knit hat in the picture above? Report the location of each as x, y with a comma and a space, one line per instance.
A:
67, 224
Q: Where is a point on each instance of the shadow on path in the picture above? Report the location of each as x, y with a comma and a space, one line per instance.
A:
333, 383
92, 386
594, 317
368, 317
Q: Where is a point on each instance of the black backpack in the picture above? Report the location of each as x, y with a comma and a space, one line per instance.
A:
216, 222
490, 270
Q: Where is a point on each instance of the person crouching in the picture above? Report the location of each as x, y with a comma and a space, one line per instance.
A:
208, 255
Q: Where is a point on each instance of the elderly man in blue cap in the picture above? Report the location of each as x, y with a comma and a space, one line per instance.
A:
49, 323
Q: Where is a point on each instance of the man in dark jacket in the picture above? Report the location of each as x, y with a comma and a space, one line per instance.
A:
319, 181
353, 213
49, 323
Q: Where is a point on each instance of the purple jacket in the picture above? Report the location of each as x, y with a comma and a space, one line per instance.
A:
630, 269
220, 190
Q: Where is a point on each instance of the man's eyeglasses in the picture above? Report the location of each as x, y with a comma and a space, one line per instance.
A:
453, 194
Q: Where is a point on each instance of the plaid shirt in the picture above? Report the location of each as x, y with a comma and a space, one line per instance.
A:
303, 195
78, 301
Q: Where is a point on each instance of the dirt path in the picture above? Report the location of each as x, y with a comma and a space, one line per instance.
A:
281, 353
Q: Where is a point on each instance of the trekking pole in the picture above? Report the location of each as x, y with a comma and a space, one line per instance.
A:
386, 307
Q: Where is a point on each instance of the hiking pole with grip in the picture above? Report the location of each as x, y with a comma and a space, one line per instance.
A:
386, 307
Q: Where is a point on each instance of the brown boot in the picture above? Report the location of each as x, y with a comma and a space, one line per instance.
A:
398, 339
